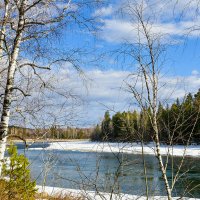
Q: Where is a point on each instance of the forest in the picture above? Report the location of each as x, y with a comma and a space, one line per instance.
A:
54, 132
64, 63
178, 123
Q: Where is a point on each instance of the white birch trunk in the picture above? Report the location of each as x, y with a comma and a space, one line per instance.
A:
157, 140
3, 28
162, 168
9, 85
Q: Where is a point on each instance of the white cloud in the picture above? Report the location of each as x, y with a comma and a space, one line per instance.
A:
101, 90
178, 87
117, 31
104, 11
170, 19
168, 10
195, 72
106, 90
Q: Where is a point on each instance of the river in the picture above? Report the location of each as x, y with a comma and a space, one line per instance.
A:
109, 171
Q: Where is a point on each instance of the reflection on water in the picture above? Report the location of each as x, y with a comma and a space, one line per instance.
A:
109, 172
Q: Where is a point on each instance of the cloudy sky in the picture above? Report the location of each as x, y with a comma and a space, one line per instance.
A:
104, 88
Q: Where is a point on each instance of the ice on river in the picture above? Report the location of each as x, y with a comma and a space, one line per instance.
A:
133, 148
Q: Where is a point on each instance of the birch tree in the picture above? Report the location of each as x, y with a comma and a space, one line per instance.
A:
27, 27
147, 51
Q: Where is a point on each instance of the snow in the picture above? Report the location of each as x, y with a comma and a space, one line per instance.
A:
92, 195
131, 148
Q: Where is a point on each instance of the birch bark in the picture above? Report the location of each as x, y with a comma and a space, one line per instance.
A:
3, 28
9, 85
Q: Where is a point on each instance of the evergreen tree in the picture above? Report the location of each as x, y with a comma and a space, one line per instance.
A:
197, 98
177, 123
106, 127
161, 115
20, 186
118, 125
97, 134
196, 110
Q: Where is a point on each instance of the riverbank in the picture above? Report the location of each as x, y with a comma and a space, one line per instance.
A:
48, 140
101, 195
130, 148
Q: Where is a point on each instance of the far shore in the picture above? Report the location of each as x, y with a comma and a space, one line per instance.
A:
48, 140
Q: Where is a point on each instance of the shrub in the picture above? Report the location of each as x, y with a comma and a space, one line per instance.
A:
19, 185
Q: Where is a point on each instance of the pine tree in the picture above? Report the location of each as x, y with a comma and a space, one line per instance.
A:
118, 125
196, 110
96, 133
20, 185
106, 127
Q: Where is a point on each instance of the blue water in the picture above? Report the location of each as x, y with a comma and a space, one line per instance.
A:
108, 171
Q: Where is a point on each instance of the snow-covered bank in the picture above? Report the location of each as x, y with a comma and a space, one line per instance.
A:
87, 146
91, 195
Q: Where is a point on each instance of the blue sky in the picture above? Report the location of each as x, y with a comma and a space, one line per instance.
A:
114, 30
105, 78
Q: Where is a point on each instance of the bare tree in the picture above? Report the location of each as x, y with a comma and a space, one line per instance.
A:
147, 49
27, 31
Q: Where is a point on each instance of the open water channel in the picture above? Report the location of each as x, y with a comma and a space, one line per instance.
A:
109, 171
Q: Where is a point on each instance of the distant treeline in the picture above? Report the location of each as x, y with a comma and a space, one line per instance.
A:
54, 132
69, 133
178, 123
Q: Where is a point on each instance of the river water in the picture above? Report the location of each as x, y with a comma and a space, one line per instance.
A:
109, 171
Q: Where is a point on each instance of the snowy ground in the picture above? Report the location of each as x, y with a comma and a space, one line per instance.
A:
87, 146
91, 195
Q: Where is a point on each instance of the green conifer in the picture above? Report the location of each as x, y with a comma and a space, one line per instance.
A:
20, 185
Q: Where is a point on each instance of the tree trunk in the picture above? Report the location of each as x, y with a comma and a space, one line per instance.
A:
9, 87
159, 157
3, 28
6, 113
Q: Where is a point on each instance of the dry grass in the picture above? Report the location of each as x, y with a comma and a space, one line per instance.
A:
65, 198
68, 197
43, 196
3, 190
